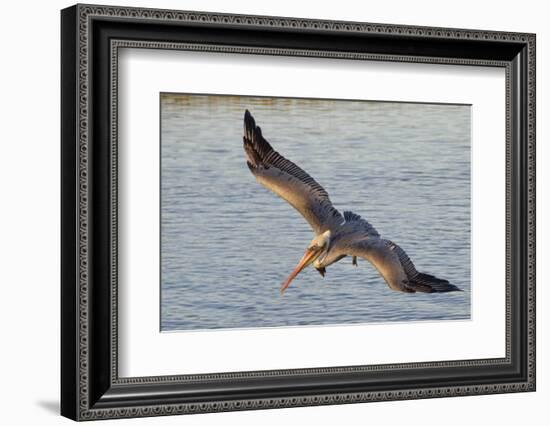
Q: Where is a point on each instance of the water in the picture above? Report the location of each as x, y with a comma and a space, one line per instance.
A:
227, 243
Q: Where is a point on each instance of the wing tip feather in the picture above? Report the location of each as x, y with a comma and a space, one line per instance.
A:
249, 125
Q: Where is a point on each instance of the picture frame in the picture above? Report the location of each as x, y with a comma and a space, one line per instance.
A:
91, 37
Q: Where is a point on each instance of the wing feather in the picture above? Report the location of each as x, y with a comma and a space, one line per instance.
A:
395, 266
357, 225
288, 180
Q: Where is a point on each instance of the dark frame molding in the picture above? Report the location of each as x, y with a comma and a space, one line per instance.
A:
90, 38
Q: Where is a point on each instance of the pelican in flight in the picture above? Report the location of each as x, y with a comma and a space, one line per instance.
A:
336, 235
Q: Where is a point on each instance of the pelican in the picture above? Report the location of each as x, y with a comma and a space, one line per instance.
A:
336, 235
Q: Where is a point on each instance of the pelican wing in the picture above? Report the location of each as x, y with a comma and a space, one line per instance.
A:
395, 266
287, 180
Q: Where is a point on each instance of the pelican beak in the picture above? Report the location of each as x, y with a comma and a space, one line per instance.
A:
309, 257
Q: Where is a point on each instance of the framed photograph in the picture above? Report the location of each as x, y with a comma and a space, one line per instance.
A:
263, 212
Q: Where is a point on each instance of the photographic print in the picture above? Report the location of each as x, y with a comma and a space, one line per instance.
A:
300, 212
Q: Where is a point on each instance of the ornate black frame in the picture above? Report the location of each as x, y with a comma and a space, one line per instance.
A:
91, 37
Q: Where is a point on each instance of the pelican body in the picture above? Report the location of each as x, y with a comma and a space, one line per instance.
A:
336, 235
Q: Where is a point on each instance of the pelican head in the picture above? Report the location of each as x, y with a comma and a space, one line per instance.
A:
315, 252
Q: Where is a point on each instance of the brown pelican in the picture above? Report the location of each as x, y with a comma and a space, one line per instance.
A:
337, 235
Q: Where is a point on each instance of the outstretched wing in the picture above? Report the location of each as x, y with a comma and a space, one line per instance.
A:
395, 266
287, 180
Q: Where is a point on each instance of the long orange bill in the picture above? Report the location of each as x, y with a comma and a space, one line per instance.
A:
309, 256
